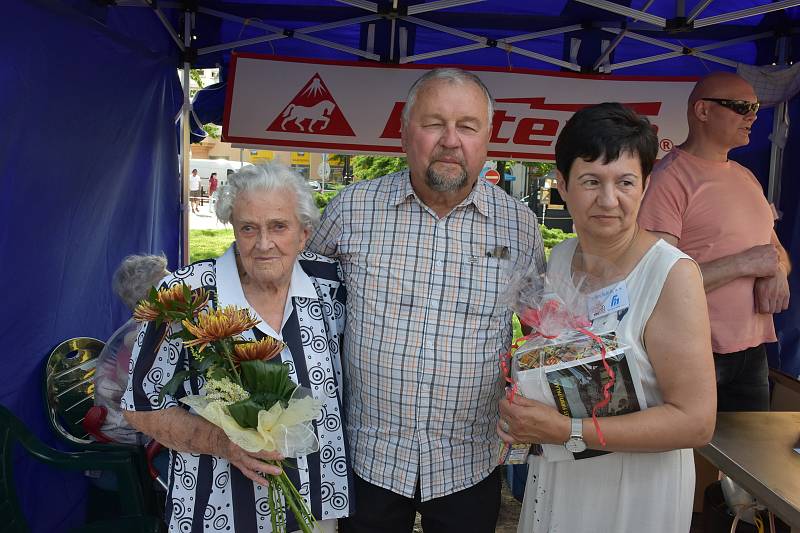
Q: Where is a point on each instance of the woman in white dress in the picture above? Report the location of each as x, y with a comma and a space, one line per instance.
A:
604, 156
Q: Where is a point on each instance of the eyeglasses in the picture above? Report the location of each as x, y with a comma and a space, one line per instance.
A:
740, 107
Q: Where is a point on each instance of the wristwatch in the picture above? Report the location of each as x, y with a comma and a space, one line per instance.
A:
575, 443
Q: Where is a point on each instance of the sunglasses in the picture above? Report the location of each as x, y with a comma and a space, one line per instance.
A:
740, 107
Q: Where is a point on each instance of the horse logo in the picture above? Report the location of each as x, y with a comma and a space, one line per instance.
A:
319, 113
312, 111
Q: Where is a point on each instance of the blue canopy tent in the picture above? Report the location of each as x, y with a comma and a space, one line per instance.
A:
90, 163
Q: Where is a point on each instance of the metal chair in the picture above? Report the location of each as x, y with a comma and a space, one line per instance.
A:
134, 516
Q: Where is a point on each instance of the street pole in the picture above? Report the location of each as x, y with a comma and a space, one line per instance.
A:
324, 166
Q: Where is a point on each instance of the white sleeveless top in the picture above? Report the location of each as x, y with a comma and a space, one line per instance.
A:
618, 492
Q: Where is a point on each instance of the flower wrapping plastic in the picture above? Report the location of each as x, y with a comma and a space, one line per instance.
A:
289, 430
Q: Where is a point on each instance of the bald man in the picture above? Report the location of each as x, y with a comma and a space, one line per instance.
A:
715, 211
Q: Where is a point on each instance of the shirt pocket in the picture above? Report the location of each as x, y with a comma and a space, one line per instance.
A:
482, 281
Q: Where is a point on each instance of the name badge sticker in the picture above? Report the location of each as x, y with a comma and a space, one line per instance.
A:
608, 300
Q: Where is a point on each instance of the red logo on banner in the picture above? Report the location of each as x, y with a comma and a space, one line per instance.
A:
313, 110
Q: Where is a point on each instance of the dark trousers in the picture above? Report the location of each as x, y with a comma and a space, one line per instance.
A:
743, 380
379, 510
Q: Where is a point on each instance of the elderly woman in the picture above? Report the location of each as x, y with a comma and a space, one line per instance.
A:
132, 281
214, 485
604, 156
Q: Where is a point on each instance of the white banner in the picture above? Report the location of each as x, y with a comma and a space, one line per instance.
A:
298, 104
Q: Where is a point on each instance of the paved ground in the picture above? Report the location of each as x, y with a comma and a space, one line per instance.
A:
205, 220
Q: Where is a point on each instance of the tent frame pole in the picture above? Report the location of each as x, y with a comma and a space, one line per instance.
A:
483, 42
637, 14
678, 50
440, 4
185, 142
744, 13
604, 57
699, 8
776, 147
281, 33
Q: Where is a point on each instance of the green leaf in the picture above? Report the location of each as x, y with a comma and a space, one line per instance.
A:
172, 385
206, 362
262, 377
245, 413
219, 373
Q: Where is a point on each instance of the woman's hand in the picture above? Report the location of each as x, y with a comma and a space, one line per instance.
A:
179, 430
532, 422
252, 465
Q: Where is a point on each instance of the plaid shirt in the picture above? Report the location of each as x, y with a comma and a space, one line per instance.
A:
425, 328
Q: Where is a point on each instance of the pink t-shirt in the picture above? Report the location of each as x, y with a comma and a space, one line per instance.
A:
715, 210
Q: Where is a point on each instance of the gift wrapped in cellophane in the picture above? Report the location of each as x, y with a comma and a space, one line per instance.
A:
563, 362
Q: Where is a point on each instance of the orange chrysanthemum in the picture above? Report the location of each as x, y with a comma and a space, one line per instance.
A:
172, 299
218, 324
146, 312
263, 350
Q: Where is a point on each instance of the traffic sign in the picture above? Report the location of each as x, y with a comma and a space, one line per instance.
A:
492, 176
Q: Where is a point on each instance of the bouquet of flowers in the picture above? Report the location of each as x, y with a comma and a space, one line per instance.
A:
564, 363
250, 398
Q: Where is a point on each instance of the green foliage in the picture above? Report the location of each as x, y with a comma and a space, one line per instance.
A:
553, 236
322, 198
194, 74
271, 384
367, 167
539, 168
212, 130
517, 327
208, 243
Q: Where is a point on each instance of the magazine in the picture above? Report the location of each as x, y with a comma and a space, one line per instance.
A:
572, 381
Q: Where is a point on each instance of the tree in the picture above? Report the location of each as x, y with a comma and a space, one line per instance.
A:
212, 130
367, 167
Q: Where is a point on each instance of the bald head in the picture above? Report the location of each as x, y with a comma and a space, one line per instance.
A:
715, 127
720, 85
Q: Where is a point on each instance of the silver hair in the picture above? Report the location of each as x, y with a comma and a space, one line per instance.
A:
136, 275
451, 75
268, 177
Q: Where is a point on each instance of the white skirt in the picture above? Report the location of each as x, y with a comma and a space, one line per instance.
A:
612, 493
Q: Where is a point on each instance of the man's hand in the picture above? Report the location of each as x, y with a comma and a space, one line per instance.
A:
772, 293
252, 465
759, 261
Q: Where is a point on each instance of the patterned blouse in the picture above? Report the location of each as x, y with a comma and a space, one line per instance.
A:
205, 493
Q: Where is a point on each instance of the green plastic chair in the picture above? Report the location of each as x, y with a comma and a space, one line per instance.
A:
133, 516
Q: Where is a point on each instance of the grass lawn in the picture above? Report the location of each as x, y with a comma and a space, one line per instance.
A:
208, 243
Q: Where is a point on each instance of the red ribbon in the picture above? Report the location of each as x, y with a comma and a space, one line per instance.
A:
612, 378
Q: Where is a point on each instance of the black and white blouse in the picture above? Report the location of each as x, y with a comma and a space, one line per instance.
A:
205, 492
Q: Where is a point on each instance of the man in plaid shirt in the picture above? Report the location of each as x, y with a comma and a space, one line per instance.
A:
425, 255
